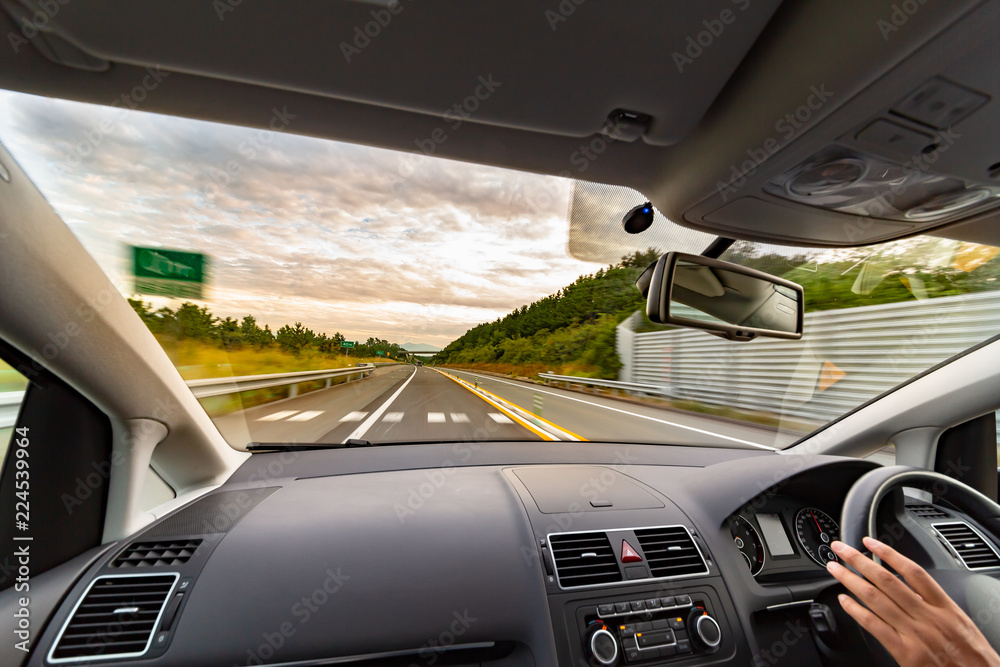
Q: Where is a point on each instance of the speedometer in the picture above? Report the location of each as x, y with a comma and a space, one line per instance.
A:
748, 542
816, 530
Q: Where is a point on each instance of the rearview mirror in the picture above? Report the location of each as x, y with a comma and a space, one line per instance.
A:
722, 298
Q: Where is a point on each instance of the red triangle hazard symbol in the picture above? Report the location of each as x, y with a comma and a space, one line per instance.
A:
628, 554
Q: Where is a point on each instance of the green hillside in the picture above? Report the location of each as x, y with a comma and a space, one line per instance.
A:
571, 331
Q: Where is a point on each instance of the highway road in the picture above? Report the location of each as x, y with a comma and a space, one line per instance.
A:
422, 404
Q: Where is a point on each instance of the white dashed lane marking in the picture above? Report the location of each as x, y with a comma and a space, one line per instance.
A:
393, 417
275, 416
435, 417
353, 417
305, 416
459, 418
499, 418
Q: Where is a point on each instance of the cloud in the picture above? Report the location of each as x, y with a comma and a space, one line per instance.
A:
338, 236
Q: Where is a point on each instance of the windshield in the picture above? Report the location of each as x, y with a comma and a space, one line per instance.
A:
311, 291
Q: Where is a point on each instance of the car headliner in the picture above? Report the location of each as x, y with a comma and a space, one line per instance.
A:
714, 76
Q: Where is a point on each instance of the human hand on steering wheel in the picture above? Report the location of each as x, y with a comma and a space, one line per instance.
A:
918, 624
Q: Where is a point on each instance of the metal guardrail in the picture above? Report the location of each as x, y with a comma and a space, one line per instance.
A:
597, 382
10, 402
231, 385
846, 357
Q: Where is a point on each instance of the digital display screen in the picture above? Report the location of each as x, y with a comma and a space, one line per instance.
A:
775, 535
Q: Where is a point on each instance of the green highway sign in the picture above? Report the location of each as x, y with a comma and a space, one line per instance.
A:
380, 353
171, 273
346, 343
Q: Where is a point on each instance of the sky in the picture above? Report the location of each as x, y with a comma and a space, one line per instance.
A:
340, 237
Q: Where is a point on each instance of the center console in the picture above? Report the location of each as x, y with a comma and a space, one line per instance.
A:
628, 578
643, 630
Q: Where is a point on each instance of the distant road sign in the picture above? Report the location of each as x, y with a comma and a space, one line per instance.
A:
380, 353
172, 273
346, 343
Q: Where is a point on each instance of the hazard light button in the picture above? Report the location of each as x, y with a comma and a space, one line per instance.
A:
629, 554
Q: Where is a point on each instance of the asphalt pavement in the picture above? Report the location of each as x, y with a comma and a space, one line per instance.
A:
422, 404
397, 404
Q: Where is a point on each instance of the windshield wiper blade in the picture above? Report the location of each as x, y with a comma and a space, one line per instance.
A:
259, 447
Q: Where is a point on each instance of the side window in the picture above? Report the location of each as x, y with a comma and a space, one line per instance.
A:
12, 390
53, 484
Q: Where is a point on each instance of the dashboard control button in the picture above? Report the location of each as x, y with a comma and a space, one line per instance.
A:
667, 602
632, 654
676, 623
621, 607
684, 646
630, 555
605, 609
603, 646
708, 631
654, 639
660, 624
683, 599
653, 603
168, 616
643, 627
668, 651
636, 572
628, 629
637, 605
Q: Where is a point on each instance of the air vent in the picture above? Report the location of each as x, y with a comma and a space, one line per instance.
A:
975, 552
114, 619
928, 512
153, 554
584, 559
670, 552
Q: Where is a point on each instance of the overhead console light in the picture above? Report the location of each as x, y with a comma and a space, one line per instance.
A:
827, 177
946, 204
850, 181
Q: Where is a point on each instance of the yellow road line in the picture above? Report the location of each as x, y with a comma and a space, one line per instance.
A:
516, 418
567, 431
503, 400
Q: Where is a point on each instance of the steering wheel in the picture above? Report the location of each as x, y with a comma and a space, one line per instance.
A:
977, 594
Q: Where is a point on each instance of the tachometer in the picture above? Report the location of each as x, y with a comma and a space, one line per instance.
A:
748, 541
816, 530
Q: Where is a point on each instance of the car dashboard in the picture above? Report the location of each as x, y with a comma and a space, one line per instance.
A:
466, 554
